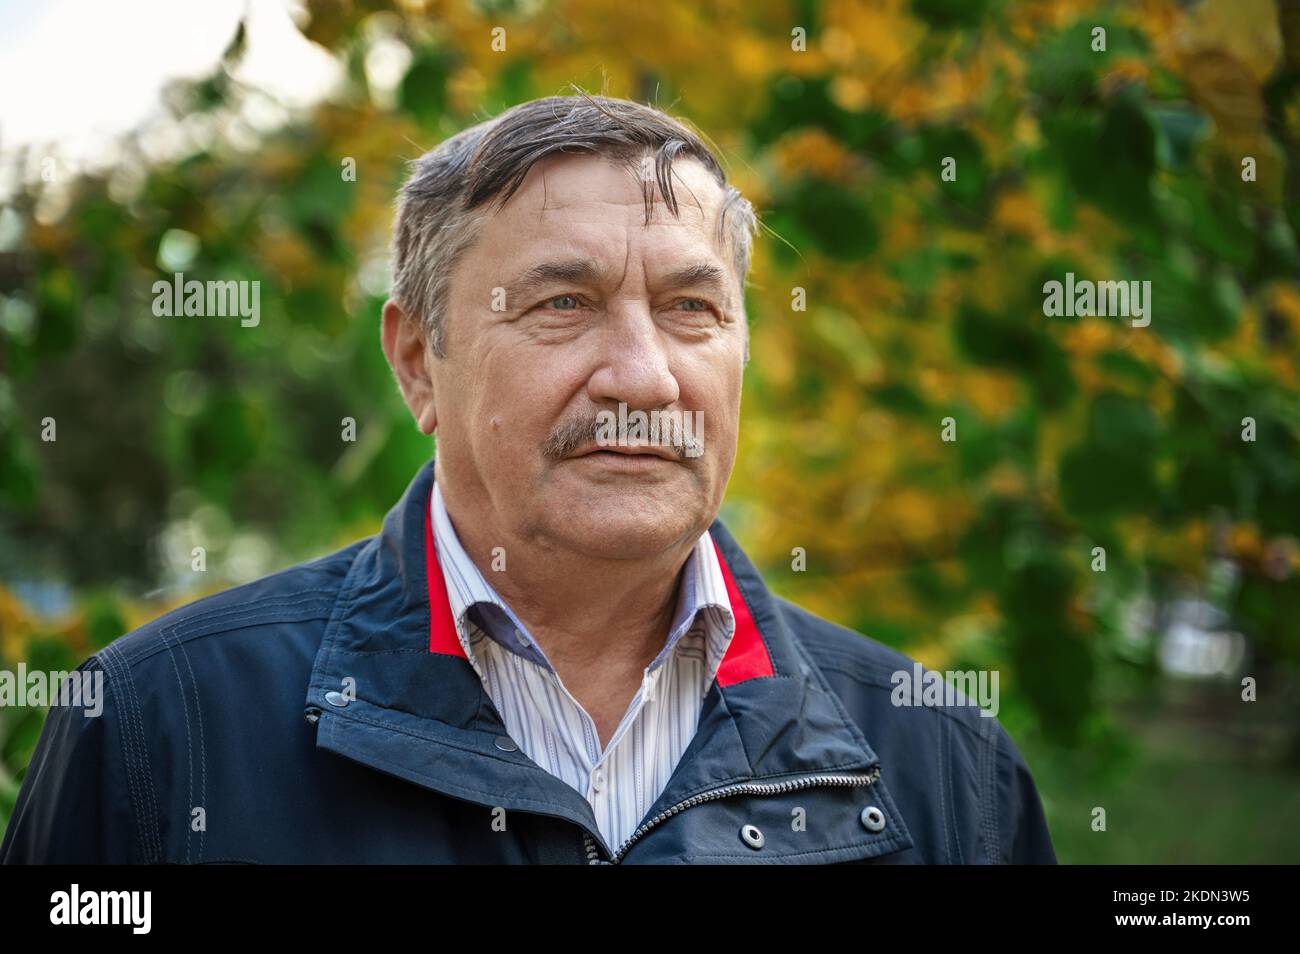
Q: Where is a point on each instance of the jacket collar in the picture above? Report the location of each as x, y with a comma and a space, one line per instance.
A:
391, 688
701, 597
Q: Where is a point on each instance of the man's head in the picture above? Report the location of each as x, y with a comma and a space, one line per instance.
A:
570, 256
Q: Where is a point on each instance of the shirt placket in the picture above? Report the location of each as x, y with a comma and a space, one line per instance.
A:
602, 784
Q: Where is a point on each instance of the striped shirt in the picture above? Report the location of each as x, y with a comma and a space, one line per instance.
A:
551, 727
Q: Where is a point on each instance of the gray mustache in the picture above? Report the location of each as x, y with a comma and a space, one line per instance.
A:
581, 431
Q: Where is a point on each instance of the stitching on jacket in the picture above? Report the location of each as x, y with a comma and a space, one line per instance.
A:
987, 793
230, 861
134, 785
981, 760
105, 656
952, 802
189, 745
145, 767
203, 751
339, 609
993, 803
136, 777
193, 625
943, 794
890, 846
944, 711
886, 674
858, 660
222, 621
213, 622
142, 765
886, 683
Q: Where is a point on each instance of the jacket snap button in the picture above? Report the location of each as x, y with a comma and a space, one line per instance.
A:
336, 699
873, 819
505, 743
752, 837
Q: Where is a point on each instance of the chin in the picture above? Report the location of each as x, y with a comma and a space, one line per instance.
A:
627, 530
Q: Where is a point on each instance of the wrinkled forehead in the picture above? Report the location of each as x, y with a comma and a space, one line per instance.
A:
565, 193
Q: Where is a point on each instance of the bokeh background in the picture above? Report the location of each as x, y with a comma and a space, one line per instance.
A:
1122, 687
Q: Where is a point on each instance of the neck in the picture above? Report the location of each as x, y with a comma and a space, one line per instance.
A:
590, 614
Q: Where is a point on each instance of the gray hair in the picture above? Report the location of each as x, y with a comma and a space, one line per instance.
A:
436, 207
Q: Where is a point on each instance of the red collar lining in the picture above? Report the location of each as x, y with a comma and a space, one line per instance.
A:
746, 657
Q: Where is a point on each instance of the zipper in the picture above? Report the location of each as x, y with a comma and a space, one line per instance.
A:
741, 788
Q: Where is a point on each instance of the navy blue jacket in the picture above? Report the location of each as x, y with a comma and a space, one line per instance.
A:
324, 715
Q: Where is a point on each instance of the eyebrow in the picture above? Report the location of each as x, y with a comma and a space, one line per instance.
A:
584, 271
702, 276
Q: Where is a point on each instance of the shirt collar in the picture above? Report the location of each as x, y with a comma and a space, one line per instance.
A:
702, 595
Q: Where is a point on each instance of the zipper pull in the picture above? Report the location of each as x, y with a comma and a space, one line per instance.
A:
313, 715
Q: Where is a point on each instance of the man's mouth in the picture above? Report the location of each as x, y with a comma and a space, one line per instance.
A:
634, 457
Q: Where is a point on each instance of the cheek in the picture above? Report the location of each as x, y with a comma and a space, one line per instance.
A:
522, 394
714, 388
717, 401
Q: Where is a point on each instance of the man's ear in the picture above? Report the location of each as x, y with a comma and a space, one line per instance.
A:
409, 355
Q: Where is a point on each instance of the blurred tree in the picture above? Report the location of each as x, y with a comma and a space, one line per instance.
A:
924, 302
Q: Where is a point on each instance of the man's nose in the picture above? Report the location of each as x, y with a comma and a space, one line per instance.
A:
634, 364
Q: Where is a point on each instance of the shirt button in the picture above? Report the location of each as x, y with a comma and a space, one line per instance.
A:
598, 780
523, 640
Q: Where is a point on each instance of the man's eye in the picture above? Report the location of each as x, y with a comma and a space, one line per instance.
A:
569, 303
694, 304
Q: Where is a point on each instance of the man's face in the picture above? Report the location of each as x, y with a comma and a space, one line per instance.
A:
597, 309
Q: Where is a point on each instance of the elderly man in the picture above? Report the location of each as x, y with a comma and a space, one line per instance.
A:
553, 651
